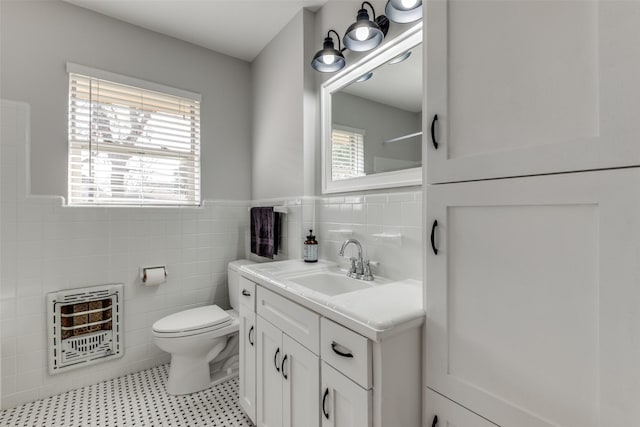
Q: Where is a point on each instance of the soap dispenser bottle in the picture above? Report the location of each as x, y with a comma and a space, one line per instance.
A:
310, 248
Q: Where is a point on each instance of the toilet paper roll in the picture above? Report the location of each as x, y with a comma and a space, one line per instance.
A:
154, 276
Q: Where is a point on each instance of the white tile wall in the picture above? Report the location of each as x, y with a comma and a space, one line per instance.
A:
397, 213
297, 221
47, 247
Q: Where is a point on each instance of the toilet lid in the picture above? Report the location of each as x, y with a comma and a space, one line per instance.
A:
208, 316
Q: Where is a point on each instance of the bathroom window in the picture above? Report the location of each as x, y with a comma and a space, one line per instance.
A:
131, 142
347, 153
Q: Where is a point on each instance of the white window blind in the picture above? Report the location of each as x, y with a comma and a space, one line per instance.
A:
347, 153
130, 145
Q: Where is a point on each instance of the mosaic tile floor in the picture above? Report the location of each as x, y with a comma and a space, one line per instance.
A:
137, 399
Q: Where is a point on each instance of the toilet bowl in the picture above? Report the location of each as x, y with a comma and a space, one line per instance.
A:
200, 338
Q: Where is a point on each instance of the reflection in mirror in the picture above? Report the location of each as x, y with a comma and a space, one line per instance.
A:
372, 119
377, 119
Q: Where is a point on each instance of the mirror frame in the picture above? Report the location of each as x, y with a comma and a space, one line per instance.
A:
379, 56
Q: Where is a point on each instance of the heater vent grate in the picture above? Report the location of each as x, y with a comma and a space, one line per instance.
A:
85, 326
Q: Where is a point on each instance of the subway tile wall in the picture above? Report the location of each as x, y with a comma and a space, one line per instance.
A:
46, 247
388, 225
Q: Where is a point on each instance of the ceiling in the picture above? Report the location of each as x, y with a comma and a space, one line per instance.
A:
238, 28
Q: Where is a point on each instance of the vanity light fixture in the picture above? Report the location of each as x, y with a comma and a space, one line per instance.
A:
402, 57
364, 34
329, 59
364, 77
404, 11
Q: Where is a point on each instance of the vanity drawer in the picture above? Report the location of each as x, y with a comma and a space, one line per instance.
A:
346, 351
247, 293
294, 320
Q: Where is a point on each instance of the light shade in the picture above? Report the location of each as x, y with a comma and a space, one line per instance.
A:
329, 59
364, 34
364, 77
404, 11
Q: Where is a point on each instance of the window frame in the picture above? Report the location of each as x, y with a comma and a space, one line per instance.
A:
194, 160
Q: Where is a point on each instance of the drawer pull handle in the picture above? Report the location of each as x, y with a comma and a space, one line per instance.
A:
433, 132
286, 377
246, 293
275, 359
249, 336
435, 421
324, 399
338, 352
433, 237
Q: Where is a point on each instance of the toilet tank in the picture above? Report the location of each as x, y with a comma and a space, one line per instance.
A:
233, 280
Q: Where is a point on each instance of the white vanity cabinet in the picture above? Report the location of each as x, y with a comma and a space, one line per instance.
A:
344, 403
530, 87
247, 338
247, 386
288, 374
288, 380
532, 298
313, 371
442, 412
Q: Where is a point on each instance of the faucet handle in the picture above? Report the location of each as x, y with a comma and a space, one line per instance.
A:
354, 264
366, 270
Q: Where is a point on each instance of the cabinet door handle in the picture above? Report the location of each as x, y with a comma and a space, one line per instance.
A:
324, 399
249, 336
286, 377
433, 237
433, 132
435, 421
275, 359
246, 293
338, 352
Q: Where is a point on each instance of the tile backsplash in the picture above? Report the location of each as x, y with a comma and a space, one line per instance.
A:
387, 225
46, 247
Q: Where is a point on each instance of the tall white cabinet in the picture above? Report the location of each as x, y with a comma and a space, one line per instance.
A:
533, 280
530, 87
533, 297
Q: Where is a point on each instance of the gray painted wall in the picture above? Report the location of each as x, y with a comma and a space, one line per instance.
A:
37, 39
278, 83
380, 122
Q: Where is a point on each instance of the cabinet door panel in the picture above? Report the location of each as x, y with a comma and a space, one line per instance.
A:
344, 403
449, 414
269, 399
532, 298
301, 388
513, 100
247, 378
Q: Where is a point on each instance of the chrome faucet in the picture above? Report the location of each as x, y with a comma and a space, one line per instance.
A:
360, 268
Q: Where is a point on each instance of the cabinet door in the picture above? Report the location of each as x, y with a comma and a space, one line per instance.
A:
343, 403
530, 87
442, 412
301, 389
269, 399
247, 379
532, 298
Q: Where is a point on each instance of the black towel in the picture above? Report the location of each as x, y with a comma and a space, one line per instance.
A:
265, 231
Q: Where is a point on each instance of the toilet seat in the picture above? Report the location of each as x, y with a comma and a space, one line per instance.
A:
194, 321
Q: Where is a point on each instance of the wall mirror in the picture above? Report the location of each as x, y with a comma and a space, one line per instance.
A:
372, 119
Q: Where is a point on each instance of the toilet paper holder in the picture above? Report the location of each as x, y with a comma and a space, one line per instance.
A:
144, 272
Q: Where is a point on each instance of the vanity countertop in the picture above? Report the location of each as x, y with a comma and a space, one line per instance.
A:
376, 312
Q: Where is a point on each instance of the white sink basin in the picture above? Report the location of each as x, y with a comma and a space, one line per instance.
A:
331, 283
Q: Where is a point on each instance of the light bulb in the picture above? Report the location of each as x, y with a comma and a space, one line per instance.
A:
408, 4
362, 33
328, 59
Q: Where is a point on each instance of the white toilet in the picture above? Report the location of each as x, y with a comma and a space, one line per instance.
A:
202, 340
